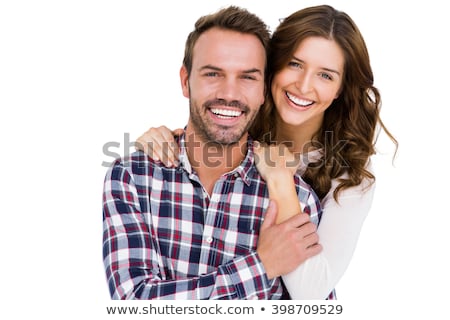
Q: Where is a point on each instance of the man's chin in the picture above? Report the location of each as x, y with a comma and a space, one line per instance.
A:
224, 141
226, 138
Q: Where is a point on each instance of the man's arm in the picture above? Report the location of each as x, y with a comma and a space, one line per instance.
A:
135, 268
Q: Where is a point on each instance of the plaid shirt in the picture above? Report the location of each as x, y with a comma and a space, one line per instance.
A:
164, 237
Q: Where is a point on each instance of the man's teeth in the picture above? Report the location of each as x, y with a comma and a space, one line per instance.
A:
298, 101
226, 113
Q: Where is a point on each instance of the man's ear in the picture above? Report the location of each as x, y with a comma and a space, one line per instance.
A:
184, 78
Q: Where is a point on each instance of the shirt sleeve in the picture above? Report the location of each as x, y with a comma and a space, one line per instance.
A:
338, 232
134, 267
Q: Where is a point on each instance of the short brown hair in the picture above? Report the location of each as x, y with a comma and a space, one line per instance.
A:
231, 18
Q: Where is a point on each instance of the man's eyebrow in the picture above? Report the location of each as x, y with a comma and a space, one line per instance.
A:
326, 69
208, 66
253, 70
211, 67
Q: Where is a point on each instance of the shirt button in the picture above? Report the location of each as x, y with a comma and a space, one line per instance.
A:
253, 298
209, 239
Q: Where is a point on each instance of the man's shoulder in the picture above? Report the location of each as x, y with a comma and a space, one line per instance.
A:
136, 163
299, 182
304, 190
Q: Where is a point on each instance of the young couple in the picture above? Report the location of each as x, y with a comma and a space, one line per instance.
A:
199, 224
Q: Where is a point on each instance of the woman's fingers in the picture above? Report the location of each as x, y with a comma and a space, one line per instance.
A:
160, 145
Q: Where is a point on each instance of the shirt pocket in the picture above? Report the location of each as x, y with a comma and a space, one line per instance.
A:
240, 237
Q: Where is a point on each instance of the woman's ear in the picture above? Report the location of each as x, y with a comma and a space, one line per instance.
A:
338, 93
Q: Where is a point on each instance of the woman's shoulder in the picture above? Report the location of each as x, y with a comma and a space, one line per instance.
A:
365, 189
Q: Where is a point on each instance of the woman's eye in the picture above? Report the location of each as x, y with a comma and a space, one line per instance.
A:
326, 76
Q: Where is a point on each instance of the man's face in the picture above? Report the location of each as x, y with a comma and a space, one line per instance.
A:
226, 85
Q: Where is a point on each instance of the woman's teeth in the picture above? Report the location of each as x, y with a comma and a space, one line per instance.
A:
298, 101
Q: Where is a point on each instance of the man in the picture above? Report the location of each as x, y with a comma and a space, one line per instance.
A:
196, 231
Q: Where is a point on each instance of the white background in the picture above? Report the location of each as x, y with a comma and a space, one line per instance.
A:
75, 75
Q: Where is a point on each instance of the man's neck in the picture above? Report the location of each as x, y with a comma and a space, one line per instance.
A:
211, 160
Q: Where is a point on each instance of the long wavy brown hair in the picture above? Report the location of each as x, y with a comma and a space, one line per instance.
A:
353, 118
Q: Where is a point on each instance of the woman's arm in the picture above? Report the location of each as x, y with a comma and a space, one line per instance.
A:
277, 165
338, 233
338, 230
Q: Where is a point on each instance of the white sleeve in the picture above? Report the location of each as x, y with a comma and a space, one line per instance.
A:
338, 232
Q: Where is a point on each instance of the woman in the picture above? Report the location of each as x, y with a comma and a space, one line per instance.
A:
324, 108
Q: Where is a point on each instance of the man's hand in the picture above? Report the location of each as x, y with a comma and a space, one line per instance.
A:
282, 247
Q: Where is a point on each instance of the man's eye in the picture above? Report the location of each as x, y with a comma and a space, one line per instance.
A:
211, 74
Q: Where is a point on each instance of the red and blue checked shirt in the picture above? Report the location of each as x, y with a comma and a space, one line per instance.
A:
164, 237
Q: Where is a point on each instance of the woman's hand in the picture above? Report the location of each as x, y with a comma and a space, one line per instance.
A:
159, 144
277, 165
273, 161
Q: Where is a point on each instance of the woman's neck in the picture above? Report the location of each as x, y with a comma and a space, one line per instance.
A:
296, 138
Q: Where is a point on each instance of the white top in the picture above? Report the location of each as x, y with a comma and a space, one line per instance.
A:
338, 233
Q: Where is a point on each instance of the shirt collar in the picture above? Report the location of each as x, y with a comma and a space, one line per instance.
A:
307, 158
246, 169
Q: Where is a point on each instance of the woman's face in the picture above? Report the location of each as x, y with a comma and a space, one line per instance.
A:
307, 86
